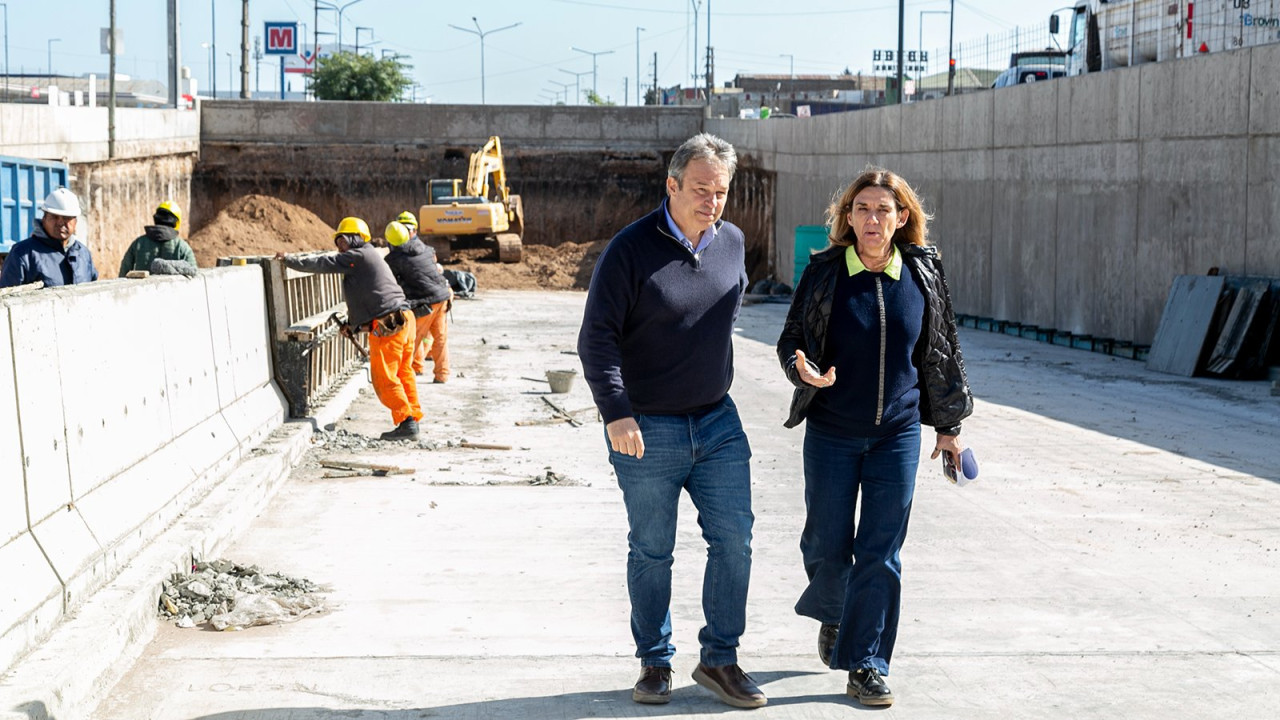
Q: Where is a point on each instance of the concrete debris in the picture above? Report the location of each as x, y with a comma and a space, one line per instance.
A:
230, 596
343, 440
549, 477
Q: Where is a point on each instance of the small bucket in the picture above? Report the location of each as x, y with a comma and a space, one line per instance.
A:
561, 380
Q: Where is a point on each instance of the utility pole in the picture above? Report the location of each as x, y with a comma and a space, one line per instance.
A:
657, 97
244, 51
639, 100
257, 60
6, 50
213, 47
711, 58
111, 85
902, 14
175, 56
951, 58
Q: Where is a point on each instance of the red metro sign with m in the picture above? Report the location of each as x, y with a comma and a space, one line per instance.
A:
282, 38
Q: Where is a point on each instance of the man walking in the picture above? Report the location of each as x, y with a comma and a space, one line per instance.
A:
657, 352
51, 255
376, 305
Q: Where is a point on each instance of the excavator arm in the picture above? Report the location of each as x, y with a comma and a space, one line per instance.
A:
486, 162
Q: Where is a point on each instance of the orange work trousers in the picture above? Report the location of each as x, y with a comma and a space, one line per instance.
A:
391, 364
433, 334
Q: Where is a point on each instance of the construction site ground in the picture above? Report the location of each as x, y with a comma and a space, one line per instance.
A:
1118, 557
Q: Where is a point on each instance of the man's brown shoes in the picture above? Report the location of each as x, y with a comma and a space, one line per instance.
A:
732, 685
654, 686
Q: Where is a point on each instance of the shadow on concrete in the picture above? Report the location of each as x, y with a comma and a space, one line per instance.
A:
685, 701
1228, 423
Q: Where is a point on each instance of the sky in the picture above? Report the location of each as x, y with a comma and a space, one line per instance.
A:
534, 62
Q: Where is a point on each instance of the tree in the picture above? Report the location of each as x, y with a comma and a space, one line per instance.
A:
347, 76
651, 97
594, 99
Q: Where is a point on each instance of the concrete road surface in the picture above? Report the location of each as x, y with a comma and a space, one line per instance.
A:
1118, 558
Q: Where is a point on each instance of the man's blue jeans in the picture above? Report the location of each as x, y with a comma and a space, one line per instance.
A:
706, 454
864, 595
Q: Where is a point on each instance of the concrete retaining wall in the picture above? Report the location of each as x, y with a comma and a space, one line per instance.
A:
1070, 204
114, 424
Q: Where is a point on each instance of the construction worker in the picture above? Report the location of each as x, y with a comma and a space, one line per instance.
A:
414, 265
159, 241
376, 305
51, 255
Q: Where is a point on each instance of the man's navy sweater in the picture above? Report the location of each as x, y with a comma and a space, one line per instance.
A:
657, 331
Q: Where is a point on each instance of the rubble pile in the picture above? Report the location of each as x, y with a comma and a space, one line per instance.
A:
232, 596
341, 439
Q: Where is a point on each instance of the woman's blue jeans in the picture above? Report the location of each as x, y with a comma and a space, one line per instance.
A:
855, 575
707, 455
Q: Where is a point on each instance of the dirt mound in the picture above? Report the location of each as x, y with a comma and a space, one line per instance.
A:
260, 225
566, 266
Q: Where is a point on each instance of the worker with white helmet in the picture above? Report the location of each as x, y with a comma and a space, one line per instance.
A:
51, 255
160, 240
376, 305
413, 262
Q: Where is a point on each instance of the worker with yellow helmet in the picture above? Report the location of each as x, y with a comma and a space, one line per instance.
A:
376, 305
413, 262
160, 240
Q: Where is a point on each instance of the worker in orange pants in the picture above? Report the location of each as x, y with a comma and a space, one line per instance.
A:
376, 305
414, 265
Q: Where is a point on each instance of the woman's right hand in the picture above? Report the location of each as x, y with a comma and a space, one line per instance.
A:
809, 372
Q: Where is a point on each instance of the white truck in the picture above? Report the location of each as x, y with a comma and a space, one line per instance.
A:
1105, 35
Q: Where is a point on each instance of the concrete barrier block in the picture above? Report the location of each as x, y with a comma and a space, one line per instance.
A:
401, 123
851, 133
187, 353
462, 121
1099, 107
38, 371
69, 545
235, 121
1202, 96
517, 123
256, 414
677, 124
564, 124
207, 446
238, 326
968, 121
1262, 251
1264, 90
884, 131
962, 228
922, 127
290, 121
627, 124
116, 410
30, 597
1022, 239
126, 513
1026, 115
13, 499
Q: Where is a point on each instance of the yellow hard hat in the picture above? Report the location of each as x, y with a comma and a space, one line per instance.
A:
407, 218
353, 226
396, 233
171, 208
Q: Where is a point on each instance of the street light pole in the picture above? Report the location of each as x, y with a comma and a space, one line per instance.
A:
358, 29
564, 88
902, 14
593, 64
639, 99
6, 50
951, 60
51, 42
577, 90
481, 33
340, 11
231, 72
212, 70
213, 47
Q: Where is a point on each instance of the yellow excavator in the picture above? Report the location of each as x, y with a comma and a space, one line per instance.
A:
484, 210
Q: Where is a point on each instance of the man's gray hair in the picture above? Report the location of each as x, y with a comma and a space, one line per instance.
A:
703, 146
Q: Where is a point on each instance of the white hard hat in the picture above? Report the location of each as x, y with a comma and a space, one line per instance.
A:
62, 202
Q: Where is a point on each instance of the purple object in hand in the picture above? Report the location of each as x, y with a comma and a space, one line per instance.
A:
968, 467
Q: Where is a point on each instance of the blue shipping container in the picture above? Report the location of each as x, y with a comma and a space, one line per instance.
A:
24, 184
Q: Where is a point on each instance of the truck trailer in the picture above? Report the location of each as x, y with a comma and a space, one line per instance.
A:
1105, 35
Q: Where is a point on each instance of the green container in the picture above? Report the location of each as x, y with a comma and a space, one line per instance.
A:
809, 238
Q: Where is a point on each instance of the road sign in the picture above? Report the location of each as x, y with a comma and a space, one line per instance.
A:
282, 38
